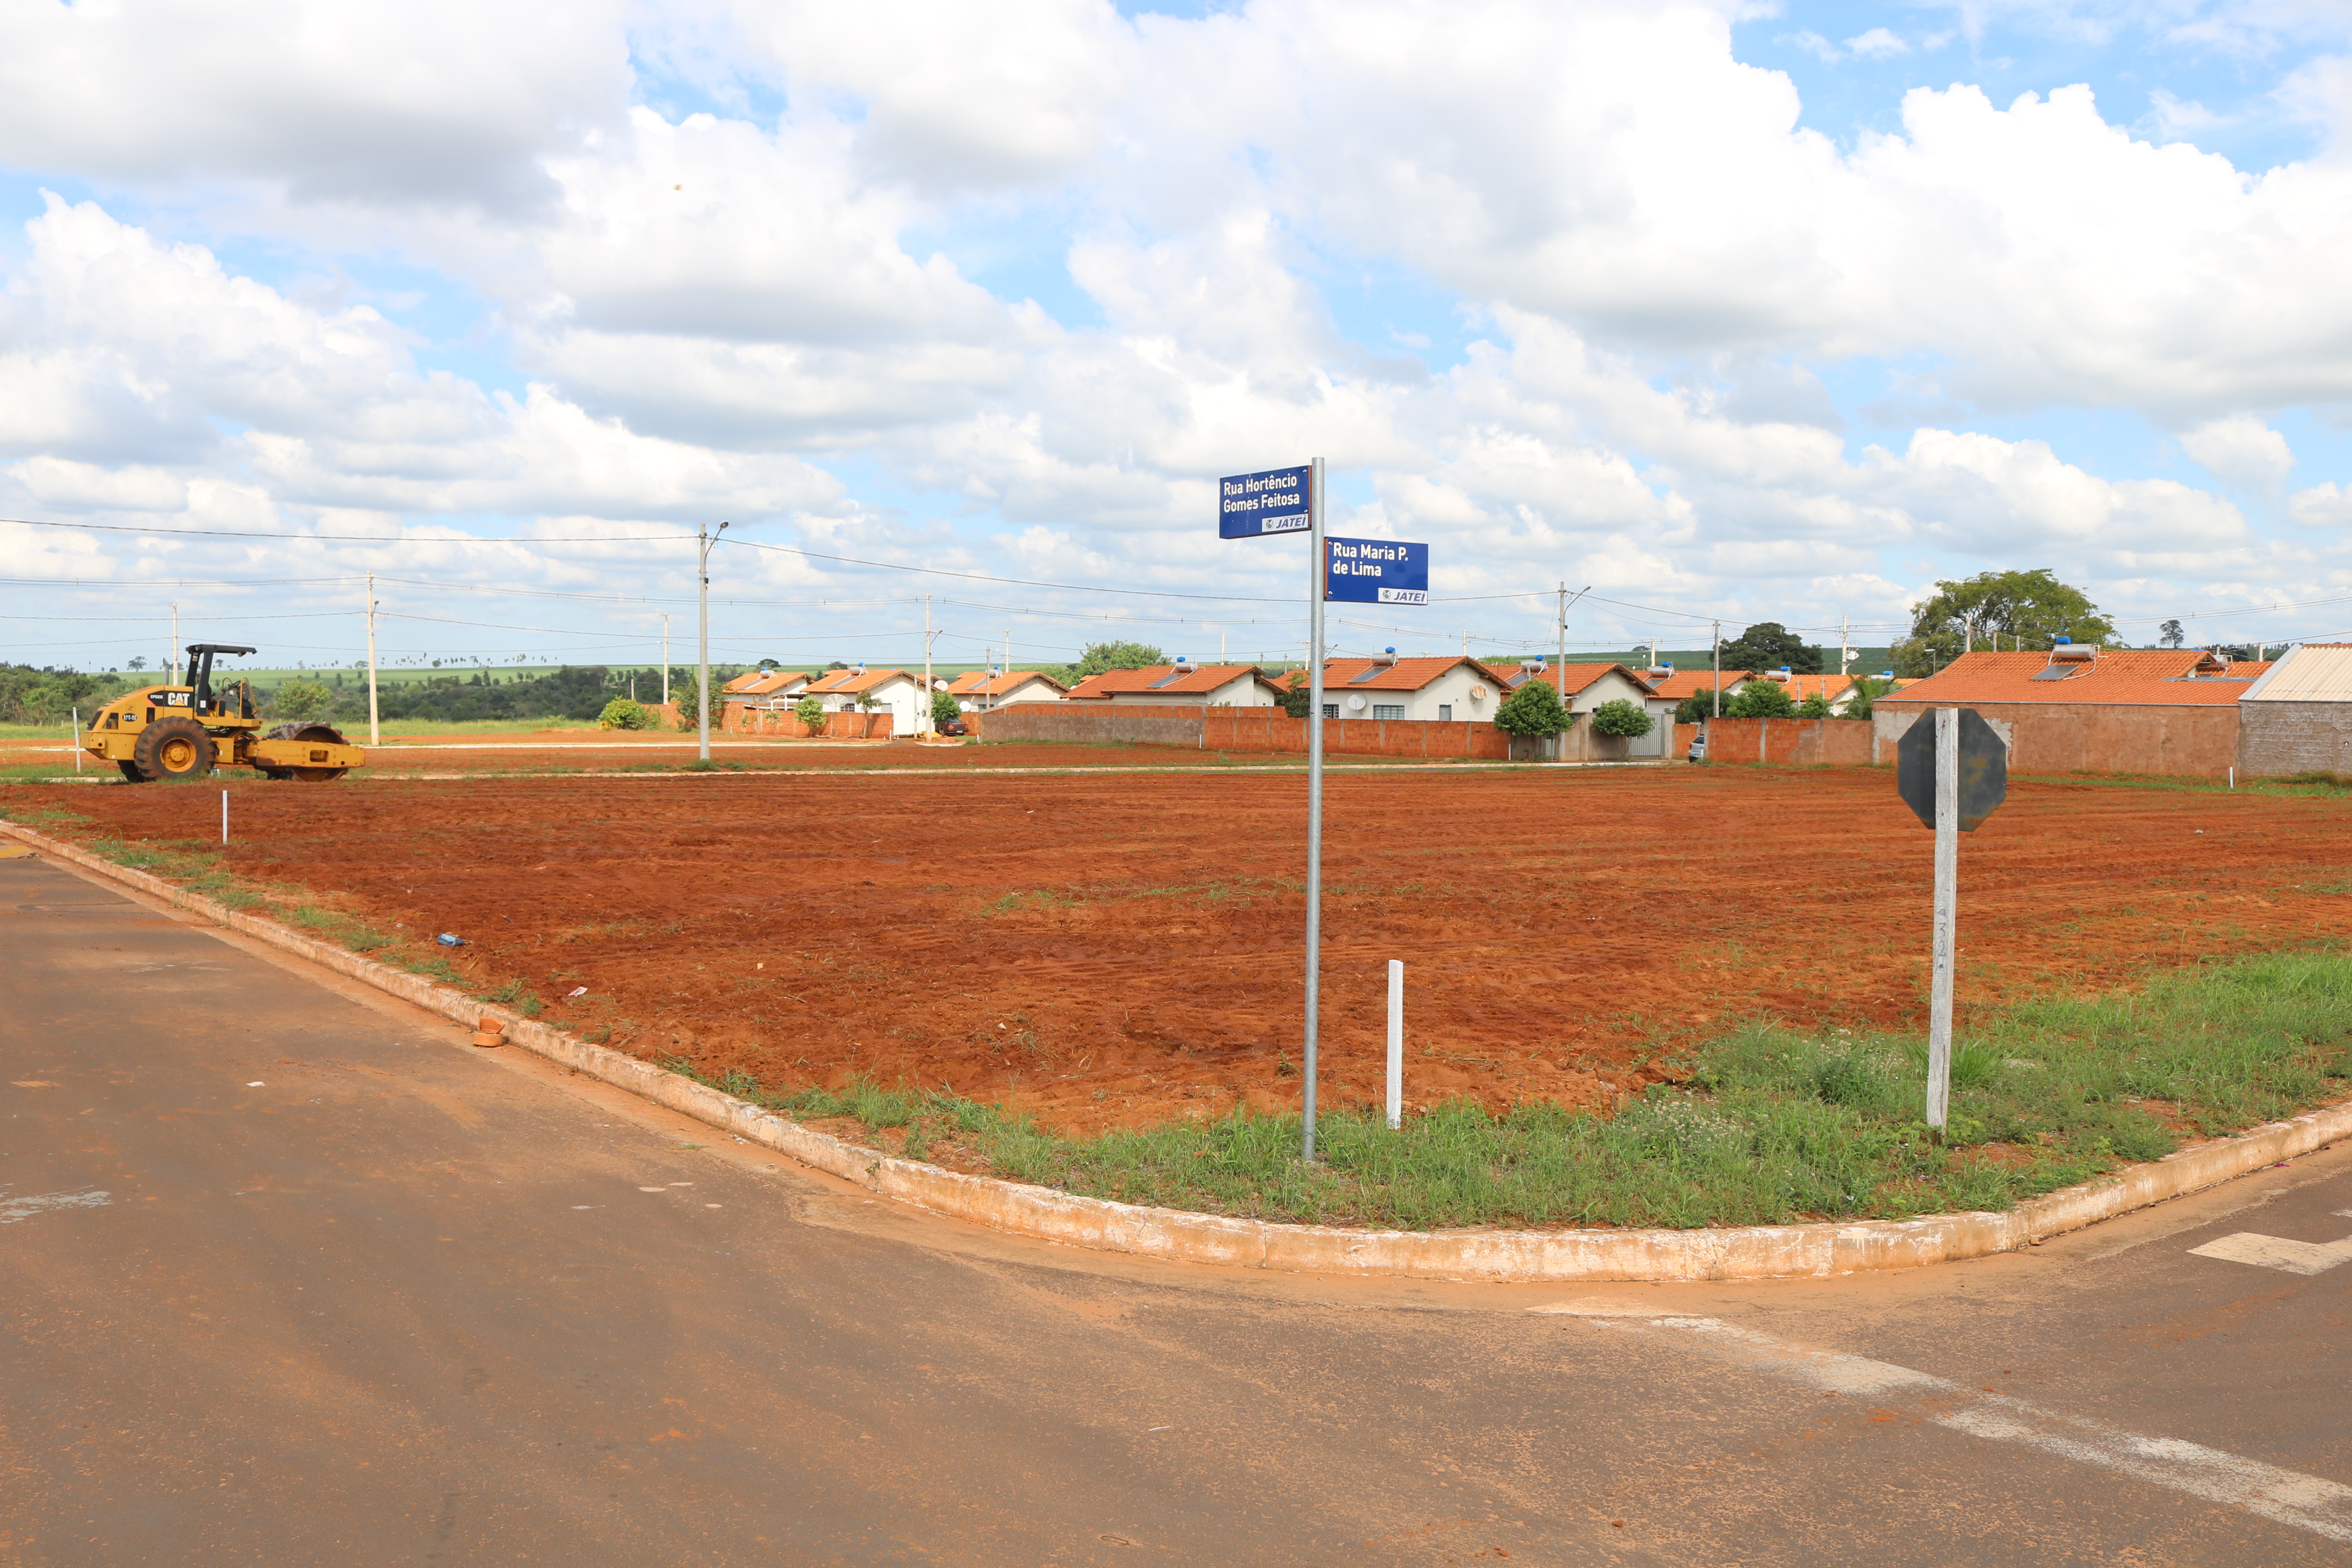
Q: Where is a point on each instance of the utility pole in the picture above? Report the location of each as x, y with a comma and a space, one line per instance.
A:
704, 540
374, 738
664, 656
1845, 644
172, 664
1560, 669
1719, 669
923, 717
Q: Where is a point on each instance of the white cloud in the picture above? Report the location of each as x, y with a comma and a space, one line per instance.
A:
2242, 451
2327, 505
1659, 269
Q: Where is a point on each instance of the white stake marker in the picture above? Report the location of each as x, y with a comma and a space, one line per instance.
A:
1396, 1044
223, 816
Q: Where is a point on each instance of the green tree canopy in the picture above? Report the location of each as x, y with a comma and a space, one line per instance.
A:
1102, 656
2033, 607
944, 707
1867, 689
1768, 645
1535, 709
1700, 704
1760, 699
300, 701
1619, 717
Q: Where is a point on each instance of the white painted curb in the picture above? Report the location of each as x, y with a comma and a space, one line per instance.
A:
1747, 1252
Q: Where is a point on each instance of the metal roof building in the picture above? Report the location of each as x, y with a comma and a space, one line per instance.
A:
2297, 718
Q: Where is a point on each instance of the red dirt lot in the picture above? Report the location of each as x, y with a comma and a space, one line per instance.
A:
1122, 947
461, 754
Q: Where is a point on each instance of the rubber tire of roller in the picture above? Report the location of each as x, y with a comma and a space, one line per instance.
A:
131, 770
167, 740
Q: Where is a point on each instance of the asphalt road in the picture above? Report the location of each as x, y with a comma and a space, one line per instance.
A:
290, 1274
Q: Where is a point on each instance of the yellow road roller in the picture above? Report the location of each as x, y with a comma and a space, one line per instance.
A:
185, 731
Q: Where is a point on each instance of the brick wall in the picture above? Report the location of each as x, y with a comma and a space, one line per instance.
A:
2278, 738
735, 719
1798, 743
2092, 737
1264, 729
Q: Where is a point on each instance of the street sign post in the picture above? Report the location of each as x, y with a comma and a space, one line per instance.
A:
1953, 773
1375, 572
1348, 570
1254, 506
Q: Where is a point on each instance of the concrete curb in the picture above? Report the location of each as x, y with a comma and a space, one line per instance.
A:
1750, 1252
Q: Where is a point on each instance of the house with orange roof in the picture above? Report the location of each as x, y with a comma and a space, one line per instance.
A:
979, 691
1183, 684
2080, 708
765, 688
1447, 689
897, 691
1588, 686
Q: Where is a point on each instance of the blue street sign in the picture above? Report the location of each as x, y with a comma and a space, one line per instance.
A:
1250, 506
1376, 572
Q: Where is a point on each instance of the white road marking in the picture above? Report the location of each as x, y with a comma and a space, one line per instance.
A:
257, 1083
2277, 1252
2284, 1496
652, 1189
13, 1209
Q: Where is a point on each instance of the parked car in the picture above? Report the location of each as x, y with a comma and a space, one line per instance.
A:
955, 727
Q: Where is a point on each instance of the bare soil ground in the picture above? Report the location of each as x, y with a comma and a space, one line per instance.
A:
574, 751
1124, 948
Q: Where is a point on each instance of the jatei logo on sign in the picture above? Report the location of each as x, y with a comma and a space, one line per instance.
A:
1273, 502
1376, 572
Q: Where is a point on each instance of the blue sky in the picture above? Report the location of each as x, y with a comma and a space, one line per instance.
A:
886, 281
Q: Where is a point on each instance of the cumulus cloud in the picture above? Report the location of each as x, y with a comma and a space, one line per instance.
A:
2242, 451
1010, 285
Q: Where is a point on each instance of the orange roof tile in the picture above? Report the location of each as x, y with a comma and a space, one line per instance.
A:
1683, 682
2136, 677
980, 683
1581, 676
1202, 679
851, 681
1402, 675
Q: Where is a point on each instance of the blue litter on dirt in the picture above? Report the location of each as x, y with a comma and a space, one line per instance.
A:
445, 940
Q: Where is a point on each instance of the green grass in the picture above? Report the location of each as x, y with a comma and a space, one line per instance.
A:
1771, 1126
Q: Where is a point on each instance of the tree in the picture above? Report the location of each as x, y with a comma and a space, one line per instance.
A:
2008, 606
139, 664
626, 714
1535, 709
1768, 645
1760, 699
1699, 706
687, 694
2171, 635
944, 708
1814, 706
810, 711
1867, 689
1298, 698
1618, 717
1102, 656
300, 701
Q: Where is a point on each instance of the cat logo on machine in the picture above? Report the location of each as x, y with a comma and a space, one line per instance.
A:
172, 699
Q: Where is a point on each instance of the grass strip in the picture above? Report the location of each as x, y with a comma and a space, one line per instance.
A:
1769, 1127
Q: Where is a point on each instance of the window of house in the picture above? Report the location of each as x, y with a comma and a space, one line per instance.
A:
1445, 712
1387, 709
1330, 710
